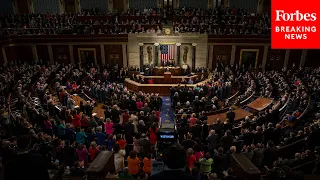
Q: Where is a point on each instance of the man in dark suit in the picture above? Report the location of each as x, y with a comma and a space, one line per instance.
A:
270, 154
257, 156
26, 165
212, 141
175, 160
231, 115
227, 140
145, 144
220, 161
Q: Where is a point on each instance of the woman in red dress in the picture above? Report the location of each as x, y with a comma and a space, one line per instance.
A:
152, 131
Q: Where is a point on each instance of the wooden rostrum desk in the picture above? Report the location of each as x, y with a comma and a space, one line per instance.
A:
167, 78
162, 89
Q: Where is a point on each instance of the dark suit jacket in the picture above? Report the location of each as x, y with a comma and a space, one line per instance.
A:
26, 166
231, 115
212, 142
270, 155
257, 157
226, 142
220, 163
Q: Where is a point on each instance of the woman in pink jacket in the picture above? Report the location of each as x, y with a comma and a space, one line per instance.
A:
108, 126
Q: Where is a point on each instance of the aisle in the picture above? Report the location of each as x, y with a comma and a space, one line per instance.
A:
167, 113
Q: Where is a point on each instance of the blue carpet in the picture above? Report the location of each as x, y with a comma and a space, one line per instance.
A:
167, 113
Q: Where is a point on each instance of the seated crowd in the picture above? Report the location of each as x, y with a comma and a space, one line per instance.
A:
218, 21
44, 127
221, 21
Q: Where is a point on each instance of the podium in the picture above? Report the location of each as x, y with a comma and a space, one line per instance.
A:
167, 75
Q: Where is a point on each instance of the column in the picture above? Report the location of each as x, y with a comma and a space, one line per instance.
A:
265, 56
124, 55
77, 6
210, 4
15, 6
141, 56
260, 6
210, 56
303, 57
286, 59
233, 54
194, 45
30, 6
126, 5
178, 54
71, 54
225, 3
34, 52
110, 6
156, 54
50, 54
4, 54
62, 6
175, 3
103, 56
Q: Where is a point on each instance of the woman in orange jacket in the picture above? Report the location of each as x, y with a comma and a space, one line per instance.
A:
147, 164
133, 164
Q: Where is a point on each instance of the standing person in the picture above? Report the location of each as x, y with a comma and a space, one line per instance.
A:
110, 142
133, 164
101, 137
147, 164
205, 164
80, 136
118, 158
26, 165
191, 158
61, 130
93, 151
82, 153
108, 126
152, 131
76, 121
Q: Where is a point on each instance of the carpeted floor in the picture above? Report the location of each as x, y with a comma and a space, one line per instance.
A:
167, 113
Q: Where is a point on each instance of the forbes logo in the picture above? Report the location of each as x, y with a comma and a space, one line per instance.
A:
281, 15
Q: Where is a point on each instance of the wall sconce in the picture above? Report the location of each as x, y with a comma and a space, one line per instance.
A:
194, 44
156, 44
178, 44
140, 44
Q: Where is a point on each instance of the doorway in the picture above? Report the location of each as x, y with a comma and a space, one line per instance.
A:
70, 6
118, 5
167, 4
249, 57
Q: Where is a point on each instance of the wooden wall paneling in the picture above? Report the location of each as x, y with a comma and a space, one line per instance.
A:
70, 6
23, 6
118, 5
239, 48
312, 59
24, 53
11, 53
43, 53
221, 54
295, 57
113, 54
96, 47
275, 59
61, 54
1, 57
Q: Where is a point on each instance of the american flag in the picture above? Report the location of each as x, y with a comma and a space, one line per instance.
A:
167, 52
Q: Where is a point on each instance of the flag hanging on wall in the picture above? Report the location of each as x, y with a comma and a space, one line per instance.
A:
167, 52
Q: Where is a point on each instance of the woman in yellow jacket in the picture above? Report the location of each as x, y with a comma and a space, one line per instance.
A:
133, 164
